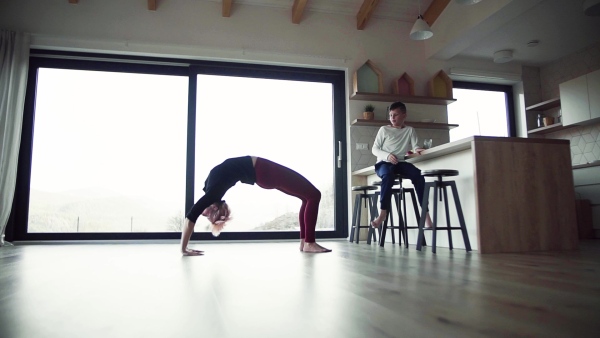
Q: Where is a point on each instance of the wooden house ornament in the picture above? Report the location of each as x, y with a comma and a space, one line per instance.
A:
404, 86
368, 79
440, 85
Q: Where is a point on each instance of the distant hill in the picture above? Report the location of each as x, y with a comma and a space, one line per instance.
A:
96, 210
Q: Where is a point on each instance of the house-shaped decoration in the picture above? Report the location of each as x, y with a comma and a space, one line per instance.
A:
440, 85
404, 86
368, 79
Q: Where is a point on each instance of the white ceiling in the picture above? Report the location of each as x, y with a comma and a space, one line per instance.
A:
559, 25
401, 10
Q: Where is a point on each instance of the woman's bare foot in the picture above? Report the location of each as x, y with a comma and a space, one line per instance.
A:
191, 252
314, 248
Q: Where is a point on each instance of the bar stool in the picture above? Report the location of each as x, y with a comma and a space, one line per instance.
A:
370, 201
413, 197
400, 195
396, 192
441, 185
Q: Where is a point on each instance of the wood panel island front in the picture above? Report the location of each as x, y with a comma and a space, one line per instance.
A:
517, 194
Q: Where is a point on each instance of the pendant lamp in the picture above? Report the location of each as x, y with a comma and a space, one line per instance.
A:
420, 30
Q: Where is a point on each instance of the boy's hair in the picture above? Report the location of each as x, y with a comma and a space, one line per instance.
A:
220, 214
397, 105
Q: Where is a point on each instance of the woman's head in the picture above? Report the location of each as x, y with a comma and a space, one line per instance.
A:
218, 214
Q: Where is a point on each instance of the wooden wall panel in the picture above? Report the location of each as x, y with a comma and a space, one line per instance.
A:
525, 196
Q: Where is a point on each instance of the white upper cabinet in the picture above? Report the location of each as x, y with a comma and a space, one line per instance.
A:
580, 99
574, 101
593, 81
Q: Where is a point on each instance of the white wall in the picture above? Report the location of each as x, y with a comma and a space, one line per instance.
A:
195, 29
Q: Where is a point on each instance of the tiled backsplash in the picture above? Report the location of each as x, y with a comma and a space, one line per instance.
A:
585, 142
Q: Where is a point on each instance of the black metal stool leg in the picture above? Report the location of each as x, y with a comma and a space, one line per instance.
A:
358, 219
424, 211
413, 198
444, 186
461, 217
396, 199
435, 209
373, 212
404, 229
354, 218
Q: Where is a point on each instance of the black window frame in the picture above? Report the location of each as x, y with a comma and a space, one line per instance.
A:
511, 126
17, 224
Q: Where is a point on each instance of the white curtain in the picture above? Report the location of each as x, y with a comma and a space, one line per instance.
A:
14, 61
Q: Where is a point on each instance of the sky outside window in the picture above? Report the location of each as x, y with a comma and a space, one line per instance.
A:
288, 122
477, 112
108, 151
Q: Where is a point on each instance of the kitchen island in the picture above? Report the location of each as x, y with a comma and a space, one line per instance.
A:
517, 194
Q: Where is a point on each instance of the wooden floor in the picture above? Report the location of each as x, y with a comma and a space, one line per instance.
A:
272, 290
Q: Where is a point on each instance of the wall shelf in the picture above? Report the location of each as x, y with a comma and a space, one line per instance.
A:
405, 99
552, 103
414, 124
549, 129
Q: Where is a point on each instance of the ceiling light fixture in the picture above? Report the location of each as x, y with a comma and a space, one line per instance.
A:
591, 7
503, 56
467, 2
420, 30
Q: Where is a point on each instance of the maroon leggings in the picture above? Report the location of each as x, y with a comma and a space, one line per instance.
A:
270, 175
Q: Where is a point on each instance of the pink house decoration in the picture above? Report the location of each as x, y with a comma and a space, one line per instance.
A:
404, 86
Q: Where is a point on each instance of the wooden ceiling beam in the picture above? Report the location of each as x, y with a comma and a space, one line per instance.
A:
226, 12
152, 5
434, 10
365, 12
298, 10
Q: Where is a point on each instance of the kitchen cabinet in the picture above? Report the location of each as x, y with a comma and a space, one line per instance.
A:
593, 80
579, 97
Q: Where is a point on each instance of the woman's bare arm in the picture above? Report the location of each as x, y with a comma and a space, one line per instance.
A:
186, 234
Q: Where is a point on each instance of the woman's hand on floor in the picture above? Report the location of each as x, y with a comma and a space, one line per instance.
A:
191, 252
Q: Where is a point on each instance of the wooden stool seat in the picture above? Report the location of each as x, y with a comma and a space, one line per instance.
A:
439, 172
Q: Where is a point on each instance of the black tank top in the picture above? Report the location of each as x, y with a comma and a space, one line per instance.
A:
227, 174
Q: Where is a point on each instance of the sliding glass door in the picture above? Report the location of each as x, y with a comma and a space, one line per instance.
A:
108, 154
266, 118
120, 149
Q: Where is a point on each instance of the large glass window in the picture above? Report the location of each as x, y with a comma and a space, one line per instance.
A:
108, 152
481, 109
119, 147
265, 118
